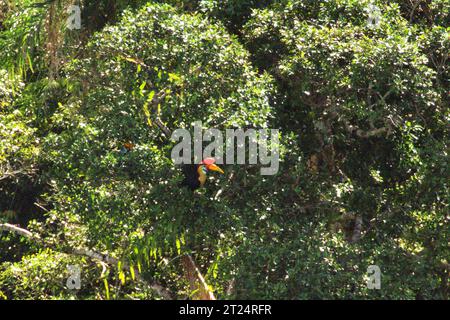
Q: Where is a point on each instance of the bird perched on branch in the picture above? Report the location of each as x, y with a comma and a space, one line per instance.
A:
195, 174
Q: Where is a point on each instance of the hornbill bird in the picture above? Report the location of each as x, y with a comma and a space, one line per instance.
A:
195, 174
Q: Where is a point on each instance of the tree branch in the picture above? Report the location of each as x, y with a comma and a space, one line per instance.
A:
17, 230
7, 175
197, 282
155, 102
156, 287
368, 134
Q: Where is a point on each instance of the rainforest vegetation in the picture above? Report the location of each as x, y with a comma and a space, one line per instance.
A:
92, 205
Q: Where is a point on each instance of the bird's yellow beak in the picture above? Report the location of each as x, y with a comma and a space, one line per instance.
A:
214, 167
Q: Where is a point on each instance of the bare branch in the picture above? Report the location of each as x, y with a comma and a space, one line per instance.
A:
163, 127
7, 175
415, 5
17, 230
231, 287
370, 133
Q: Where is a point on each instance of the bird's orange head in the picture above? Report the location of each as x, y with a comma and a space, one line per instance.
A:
209, 164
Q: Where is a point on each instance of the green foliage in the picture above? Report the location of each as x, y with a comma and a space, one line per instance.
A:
39, 276
20, 40
203, 70
232, 13
372, 102
125, 200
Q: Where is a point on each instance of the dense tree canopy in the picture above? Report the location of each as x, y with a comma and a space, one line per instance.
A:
362, 109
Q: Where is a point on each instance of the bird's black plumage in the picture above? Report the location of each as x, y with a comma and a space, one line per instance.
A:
190, 176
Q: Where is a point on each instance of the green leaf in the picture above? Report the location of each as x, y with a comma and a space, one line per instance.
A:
122, 277
178, 244
105, 282
133, 276
142, 87
30, 63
